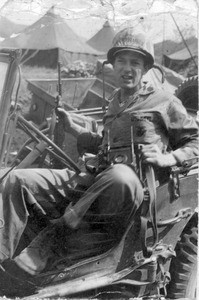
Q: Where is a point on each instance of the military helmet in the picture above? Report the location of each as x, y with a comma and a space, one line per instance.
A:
129, 40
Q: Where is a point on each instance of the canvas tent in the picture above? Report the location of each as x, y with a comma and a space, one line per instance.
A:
7, 27
182, 56
102, 40
50, 39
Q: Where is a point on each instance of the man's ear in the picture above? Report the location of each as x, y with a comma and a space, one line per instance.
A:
146, 69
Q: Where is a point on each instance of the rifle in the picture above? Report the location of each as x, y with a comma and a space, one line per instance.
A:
59, 132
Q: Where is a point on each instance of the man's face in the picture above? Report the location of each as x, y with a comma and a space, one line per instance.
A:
129, 69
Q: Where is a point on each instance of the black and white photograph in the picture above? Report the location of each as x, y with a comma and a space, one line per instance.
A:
99, 149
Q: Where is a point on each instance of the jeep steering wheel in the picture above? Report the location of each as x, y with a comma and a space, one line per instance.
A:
39, 137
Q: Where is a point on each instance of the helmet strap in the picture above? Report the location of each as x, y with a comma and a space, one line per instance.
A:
160, 70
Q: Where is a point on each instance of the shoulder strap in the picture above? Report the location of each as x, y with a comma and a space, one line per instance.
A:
150, 178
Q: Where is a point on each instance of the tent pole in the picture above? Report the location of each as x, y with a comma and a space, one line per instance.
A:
183, 40
163, 43
58, 61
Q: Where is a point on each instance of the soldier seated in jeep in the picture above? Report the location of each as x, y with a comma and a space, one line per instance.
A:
139, 118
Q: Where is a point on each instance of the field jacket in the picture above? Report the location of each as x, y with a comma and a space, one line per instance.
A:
151, 116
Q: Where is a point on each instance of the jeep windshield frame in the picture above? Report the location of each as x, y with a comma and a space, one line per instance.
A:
9, 61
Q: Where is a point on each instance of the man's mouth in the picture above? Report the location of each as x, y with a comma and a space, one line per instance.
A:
127, 77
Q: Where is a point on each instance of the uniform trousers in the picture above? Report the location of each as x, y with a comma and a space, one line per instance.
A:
116, 194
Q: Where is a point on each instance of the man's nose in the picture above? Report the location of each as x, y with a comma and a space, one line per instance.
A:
127, 67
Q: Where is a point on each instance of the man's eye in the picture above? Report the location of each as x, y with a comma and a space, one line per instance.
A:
135, 63
120, 60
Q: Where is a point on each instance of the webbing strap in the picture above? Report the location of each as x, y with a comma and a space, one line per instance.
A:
150, 179
143, 229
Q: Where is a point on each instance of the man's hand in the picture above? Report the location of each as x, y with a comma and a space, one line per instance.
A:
68, 122
69, 125
151, 154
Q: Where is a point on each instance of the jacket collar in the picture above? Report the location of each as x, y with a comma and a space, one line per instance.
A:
146, 89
